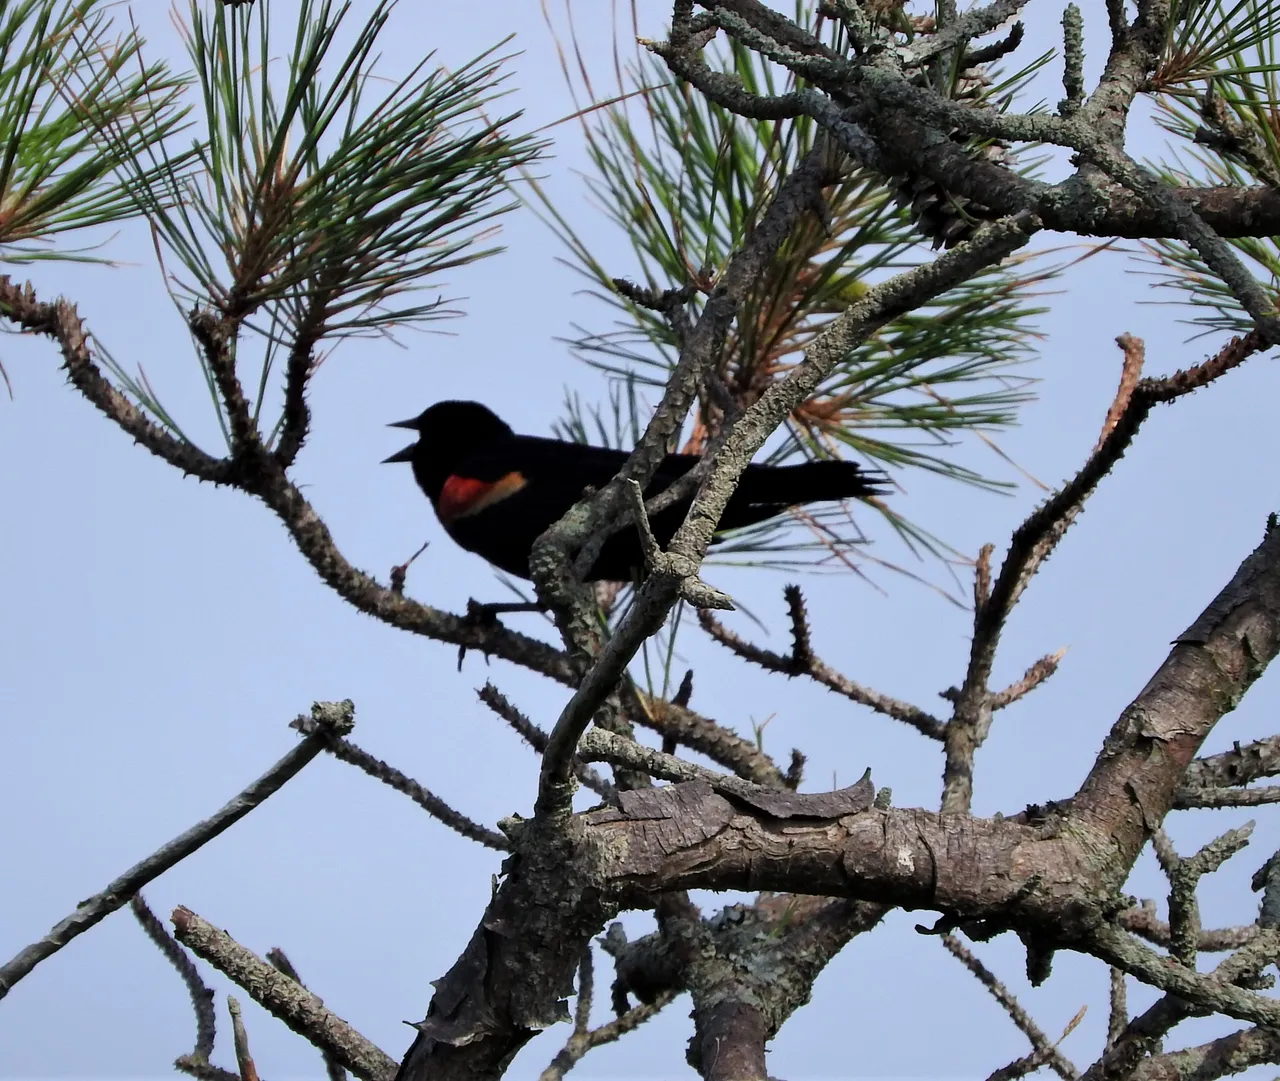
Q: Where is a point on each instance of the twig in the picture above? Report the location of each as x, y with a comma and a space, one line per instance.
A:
807, 664
1184, 878
537, 739
670, 743
1073, 55
1031, 679
1209, 991
706, 736
197, 1062
1135, 356
61, 321
1242, 764
401, 570
1032, 1062
216, 337
578, 1044
277, 959
1188, 798
1267, 881
1037, 537
1118, 1016
601, 746
1230, 1054
346, 751
244, 1059
283, 998
333, 720
1143, 1034
1143, 921
1040, 1043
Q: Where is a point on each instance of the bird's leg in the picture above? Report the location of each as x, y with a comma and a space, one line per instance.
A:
486, 615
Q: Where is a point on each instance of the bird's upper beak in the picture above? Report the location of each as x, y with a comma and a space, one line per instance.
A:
405, 455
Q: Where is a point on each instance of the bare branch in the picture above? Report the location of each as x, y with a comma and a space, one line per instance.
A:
689, 729
577, 1046
61, 321
1144, 922
1222, 1057
244, 1059
805, 662
216, 336
1142, 1036
1188, 798
277, 959
1184, 878
283, 998
1041, 1045
346, 751
1209, 991
1031, 679
1073, 68
537, 739
333, 719
1034, 540
197, 1062
1118, 1016
1210, 667
1239, 766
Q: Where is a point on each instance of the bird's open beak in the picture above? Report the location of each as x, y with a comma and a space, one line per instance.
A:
405, 455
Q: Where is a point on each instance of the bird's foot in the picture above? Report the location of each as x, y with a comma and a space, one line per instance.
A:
486, 616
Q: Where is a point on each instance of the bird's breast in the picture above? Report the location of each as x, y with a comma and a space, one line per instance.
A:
461, 497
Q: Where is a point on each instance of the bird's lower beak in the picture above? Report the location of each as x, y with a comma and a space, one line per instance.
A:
405, 455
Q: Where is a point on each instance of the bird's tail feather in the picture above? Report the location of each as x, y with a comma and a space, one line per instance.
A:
809, 482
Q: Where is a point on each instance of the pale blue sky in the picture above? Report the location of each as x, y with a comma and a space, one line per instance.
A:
158, 635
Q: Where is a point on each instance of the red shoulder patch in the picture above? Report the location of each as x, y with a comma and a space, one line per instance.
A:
460, 497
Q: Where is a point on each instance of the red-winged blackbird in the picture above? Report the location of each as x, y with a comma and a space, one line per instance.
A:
496, 492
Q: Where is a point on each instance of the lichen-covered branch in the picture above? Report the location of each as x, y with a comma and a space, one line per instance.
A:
283, 998
196, 1063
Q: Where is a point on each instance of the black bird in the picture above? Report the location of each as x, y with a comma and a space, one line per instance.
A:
496, 492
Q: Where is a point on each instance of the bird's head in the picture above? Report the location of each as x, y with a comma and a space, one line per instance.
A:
447, 433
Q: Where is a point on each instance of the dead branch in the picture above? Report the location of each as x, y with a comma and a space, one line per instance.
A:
244, 1058
536, 738
1044, 1051
1239, 766
346, 751
277, 959
282, 997
1037, 537
1144, 922
805, 662
197, 1062
332, 720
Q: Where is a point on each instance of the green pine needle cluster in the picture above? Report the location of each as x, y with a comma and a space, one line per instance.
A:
1219, 97
686, 181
